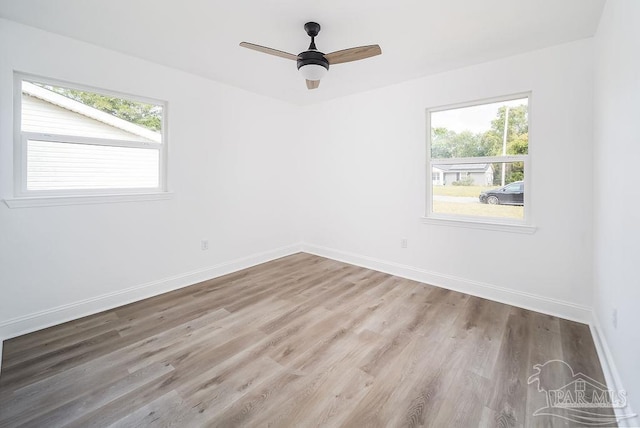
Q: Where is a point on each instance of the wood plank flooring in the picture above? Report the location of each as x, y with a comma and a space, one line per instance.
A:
301, 341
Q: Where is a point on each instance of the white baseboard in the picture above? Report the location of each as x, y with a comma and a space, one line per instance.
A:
611, 375
49, 317
520, 299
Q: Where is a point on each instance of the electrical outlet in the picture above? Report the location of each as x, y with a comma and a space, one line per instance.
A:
614, 318
403, 243
204, 244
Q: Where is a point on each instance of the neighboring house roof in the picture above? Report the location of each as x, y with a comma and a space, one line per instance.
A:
464, 167
90, 112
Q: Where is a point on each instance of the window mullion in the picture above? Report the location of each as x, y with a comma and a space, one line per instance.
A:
484, 159
61, 138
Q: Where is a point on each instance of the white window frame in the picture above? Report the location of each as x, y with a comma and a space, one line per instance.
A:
23, 197
524, 225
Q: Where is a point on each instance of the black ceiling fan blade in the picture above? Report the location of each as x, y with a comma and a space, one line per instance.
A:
353, 54
269, 51
313, 84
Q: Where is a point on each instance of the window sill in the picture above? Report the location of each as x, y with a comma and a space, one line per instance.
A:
483, 225
51, 201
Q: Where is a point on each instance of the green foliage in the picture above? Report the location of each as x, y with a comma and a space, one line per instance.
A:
467, 181
147, 115
518, 121
517, 131
449, 144
518, 145
514, 172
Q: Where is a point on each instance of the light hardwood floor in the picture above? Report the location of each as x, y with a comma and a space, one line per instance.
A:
301, 341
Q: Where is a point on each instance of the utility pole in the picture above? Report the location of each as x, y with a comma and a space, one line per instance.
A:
504, 141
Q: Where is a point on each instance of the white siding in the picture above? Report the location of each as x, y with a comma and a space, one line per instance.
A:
55, 166
43, 117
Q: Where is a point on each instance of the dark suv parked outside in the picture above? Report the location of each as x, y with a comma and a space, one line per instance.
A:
511, 194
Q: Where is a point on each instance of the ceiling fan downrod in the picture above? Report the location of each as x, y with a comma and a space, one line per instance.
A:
312, 29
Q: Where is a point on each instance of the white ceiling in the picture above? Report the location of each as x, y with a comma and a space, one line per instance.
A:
418, 37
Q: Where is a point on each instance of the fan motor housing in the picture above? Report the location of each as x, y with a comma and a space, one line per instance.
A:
312, 57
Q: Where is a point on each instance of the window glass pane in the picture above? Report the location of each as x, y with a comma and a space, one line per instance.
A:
477, 131
52, 165
63, 111
475, 190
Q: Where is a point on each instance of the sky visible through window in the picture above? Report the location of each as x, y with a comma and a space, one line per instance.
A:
475, 119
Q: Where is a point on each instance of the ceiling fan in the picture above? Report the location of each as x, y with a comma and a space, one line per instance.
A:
312, 63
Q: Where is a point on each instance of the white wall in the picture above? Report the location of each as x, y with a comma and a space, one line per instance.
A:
616, 192
231, 157
352, 190
366, 183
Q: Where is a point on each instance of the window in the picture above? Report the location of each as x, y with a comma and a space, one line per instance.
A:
74, 141
478, 156
514, 188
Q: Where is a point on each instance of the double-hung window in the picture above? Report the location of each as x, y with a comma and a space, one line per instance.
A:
478, 163
73, 142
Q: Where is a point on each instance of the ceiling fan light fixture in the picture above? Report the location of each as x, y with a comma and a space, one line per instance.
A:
312, 65
313, 71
